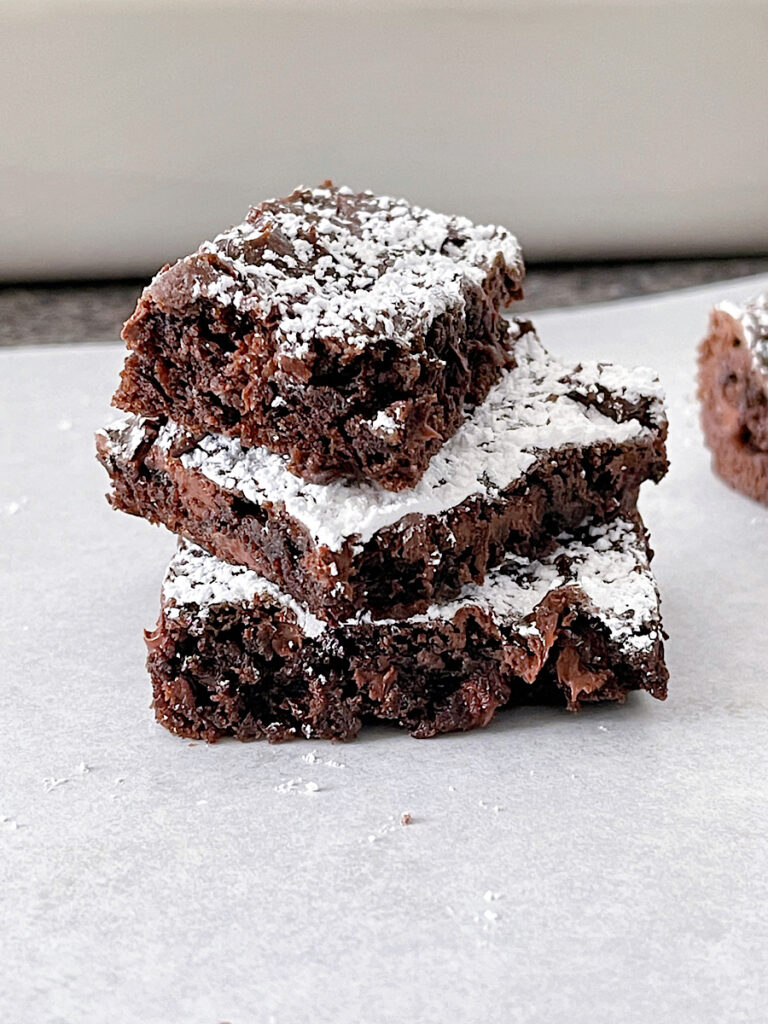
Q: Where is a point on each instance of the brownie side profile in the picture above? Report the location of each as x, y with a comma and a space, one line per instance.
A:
733, 390
347, 331
233, 655
552, 445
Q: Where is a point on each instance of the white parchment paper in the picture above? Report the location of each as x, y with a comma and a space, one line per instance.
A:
610, 866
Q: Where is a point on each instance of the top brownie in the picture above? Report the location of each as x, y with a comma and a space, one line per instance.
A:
348, 331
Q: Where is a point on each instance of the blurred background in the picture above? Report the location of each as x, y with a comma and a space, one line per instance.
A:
628, 131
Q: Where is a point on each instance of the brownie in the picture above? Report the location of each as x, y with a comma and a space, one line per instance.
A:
552, 444
234, 655
347, 331
733, 389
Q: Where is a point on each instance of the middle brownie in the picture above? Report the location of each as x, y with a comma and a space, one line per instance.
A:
552, 444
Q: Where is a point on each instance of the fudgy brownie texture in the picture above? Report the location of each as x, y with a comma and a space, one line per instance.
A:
345, 330
233, 655
733, 389
552, 444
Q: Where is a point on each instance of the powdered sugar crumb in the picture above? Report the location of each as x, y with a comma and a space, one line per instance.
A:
12, 508
384, 423
496, 808
51, 783
390, 826
54, 782
297, 786
313, 758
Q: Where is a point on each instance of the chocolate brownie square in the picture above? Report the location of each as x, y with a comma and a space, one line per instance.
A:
733, 389
348, 331
234, 655
552, 443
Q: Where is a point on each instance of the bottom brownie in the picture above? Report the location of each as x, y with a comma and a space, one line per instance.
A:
733, 388
233, 655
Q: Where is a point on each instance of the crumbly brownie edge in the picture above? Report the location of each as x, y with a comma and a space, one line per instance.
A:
241, 663
733, 390
216, 345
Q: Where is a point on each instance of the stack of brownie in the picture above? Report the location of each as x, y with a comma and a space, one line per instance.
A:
392, 502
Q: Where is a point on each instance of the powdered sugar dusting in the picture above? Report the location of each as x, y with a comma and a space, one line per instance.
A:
326, 263
385, 423
130, 430
195, 578
753, 316
606, 570
610, 567
534, 408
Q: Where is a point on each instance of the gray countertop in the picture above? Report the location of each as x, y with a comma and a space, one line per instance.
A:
33, 314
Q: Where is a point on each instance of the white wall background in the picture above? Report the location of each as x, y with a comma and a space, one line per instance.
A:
131, 130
